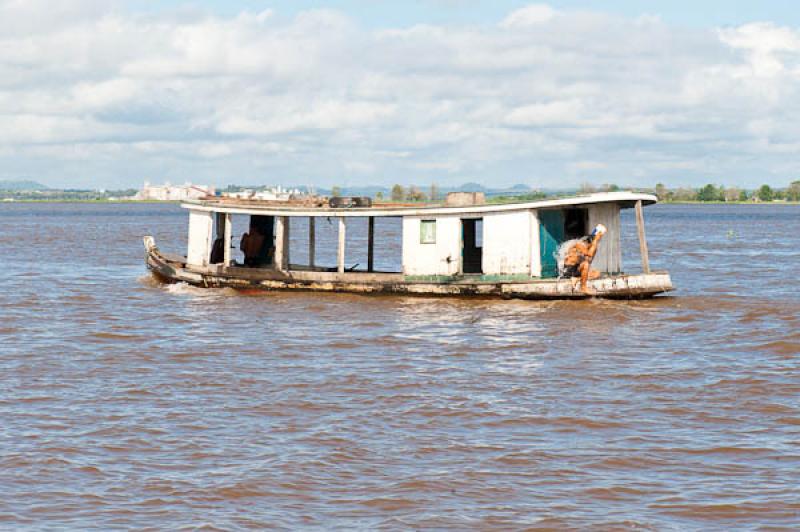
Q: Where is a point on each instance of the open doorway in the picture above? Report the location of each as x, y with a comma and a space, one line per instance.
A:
472, 245
556, 227
575, 223
258, 243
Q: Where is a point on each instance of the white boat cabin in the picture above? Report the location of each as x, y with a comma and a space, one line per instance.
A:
494, 241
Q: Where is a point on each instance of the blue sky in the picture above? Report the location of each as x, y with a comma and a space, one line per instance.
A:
108, 94
378, 13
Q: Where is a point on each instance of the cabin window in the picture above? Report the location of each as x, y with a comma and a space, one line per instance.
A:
427, 232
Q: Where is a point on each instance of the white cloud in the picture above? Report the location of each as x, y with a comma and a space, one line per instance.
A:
98, 94
564, 113
529, 16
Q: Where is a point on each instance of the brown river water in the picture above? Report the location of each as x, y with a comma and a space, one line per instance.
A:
128, 404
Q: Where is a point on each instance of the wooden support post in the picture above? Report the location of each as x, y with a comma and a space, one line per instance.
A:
371, 244
342, 239
642, 240
226, 254
312, 238
278, 260
286, 239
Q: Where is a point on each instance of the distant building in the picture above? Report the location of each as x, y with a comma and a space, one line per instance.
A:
276, 193
167, 192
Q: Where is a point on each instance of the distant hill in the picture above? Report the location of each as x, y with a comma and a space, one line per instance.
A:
471, 187
21, 185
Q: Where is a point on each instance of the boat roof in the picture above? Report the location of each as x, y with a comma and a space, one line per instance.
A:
273, 208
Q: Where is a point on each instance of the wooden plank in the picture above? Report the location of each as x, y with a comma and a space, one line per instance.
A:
312, 238
342, 237
371, 244
609, 256
642, 239
226, 256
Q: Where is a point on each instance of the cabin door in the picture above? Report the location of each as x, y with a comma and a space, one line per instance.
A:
472, 245
551, 235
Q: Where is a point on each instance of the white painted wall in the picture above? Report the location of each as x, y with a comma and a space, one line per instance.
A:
441, 258
609, 253
507, 243
201, 225
510, 245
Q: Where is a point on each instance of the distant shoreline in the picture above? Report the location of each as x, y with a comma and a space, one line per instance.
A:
729, 202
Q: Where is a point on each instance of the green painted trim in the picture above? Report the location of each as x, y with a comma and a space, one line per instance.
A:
512, 277
495, 278
431, 278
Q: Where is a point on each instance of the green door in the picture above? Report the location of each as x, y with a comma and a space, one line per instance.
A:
551, 235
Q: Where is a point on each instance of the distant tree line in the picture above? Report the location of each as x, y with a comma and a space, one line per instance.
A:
721, 193
66, 195
412, 193
528, 196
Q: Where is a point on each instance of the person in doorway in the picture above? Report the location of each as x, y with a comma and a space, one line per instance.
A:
251, 245
579, 257
218, 251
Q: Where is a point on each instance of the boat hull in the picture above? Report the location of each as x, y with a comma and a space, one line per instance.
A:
623, 286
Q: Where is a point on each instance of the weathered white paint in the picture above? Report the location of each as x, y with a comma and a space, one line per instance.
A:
507, 243
609, 253
441, 258
201, 227
536, 254
281, 258
226, 255
645, 255
511, 240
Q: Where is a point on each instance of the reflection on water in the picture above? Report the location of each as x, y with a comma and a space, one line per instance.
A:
127, 403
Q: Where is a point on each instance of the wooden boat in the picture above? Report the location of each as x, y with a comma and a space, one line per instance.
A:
457, 248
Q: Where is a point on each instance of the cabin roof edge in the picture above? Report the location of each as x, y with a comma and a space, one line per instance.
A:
624, 199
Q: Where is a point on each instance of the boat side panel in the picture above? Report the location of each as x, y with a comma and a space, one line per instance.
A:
443, 257
609, 253
507, 243
201, 225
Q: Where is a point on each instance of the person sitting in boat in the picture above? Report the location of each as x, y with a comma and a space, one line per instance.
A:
578, 258
218, 251
252, 245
